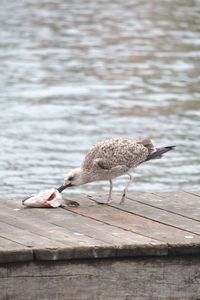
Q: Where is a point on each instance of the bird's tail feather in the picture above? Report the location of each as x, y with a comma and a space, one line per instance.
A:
159, 152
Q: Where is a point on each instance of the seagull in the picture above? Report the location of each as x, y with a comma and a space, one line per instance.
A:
113, 158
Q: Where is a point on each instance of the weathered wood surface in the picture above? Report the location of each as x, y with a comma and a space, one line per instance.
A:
182, 203
147, 224
140, 204
149, 278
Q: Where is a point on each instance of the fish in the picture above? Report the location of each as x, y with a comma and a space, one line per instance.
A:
47, 198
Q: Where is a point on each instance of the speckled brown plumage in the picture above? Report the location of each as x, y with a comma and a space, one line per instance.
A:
117, 152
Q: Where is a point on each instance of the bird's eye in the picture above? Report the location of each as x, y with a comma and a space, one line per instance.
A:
70, 178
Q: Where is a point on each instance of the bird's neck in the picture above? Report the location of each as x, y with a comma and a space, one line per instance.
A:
86, 176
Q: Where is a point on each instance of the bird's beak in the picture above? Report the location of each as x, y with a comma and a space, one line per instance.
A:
24, 200
63, 187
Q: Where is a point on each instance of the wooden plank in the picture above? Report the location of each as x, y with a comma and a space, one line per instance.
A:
137, 224
42, 222
46, 249
181, 203
46, 229
26, 238
84, 202
195, 193
96, 231
107, 240
68, 224
167, 278
157, 214
12, 252
8, 244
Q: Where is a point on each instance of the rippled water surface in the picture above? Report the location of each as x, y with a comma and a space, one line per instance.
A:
76, 72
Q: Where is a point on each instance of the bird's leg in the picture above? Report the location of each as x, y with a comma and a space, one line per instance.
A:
126, 189
109, 195
110, 192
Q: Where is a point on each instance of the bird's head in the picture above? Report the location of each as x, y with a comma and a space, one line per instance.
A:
73, 178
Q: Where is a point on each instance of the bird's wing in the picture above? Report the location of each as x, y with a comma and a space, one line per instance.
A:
104, 168
105, 165
101, 163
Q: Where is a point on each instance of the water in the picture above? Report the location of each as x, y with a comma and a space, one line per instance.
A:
76, 72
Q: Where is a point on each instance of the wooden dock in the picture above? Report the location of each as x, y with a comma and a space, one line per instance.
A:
147, 248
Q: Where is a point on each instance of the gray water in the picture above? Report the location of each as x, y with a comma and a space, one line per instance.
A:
76, 72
